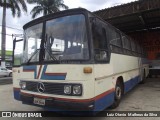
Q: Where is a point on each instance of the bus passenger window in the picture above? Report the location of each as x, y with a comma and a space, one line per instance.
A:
100, 43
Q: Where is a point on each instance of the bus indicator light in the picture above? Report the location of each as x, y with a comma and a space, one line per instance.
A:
87, 70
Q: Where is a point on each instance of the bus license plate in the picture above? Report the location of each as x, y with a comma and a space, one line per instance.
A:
39, 101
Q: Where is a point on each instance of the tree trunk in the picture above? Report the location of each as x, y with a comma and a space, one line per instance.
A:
3, 40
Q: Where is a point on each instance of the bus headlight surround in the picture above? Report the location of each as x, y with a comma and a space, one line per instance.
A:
77, 90
67, 89
73, 89
23, 85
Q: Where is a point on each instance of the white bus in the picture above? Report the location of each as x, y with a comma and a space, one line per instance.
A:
72, 60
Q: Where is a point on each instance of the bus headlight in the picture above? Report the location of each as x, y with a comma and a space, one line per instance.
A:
23, 85
67, 89
77, 90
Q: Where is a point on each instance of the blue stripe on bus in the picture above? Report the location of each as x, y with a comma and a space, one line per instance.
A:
31, 68
17, 95
131, 83
103, 102
44, 76
51, 77
108, 100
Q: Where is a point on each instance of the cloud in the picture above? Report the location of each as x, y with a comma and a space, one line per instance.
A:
93, 5
14, 26
17, 23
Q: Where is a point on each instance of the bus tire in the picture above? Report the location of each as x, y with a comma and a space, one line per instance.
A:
144, 77
118, 94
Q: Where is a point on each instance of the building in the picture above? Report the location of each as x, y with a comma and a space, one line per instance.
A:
8, 58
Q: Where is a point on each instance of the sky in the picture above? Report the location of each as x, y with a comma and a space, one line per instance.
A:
15, 25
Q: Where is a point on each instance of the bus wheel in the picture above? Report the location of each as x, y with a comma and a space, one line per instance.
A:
144, 77
118, 95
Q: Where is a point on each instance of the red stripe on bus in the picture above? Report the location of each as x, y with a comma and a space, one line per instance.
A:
104, 94
16, 89
28, 70
55, 74
73, 100
39, 71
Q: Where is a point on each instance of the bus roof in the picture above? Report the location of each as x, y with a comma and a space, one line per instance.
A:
55, 15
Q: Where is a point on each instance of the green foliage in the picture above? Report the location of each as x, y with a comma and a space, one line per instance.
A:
46, 6
17, 61
8, 53
15, 6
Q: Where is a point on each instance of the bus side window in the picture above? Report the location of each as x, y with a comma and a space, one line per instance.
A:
115, 40
100, 42
126, 45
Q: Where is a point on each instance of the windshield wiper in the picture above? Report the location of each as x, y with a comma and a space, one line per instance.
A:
32, 56
51, 55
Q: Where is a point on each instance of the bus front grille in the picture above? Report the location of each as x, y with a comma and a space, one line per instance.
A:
49, 88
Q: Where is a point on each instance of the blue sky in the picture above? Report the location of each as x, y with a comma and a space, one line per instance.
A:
17, 23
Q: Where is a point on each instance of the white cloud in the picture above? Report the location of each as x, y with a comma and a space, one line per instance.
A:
17, 23
93, 5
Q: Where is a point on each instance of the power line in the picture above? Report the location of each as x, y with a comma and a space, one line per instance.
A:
14, 35
13, 28
6, 34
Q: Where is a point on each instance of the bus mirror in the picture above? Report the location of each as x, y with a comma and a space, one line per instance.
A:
14, 42
101, 55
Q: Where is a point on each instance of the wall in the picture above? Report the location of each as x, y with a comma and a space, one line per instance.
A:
150, 41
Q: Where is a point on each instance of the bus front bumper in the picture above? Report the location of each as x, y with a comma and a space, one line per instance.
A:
57, 104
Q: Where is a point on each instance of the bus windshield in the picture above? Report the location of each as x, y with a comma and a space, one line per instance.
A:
65, 39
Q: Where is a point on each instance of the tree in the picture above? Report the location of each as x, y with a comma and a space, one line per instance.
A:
46, 6
14, 6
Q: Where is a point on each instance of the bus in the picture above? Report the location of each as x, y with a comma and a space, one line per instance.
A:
73, 60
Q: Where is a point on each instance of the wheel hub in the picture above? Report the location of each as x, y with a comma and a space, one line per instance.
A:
118, 92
